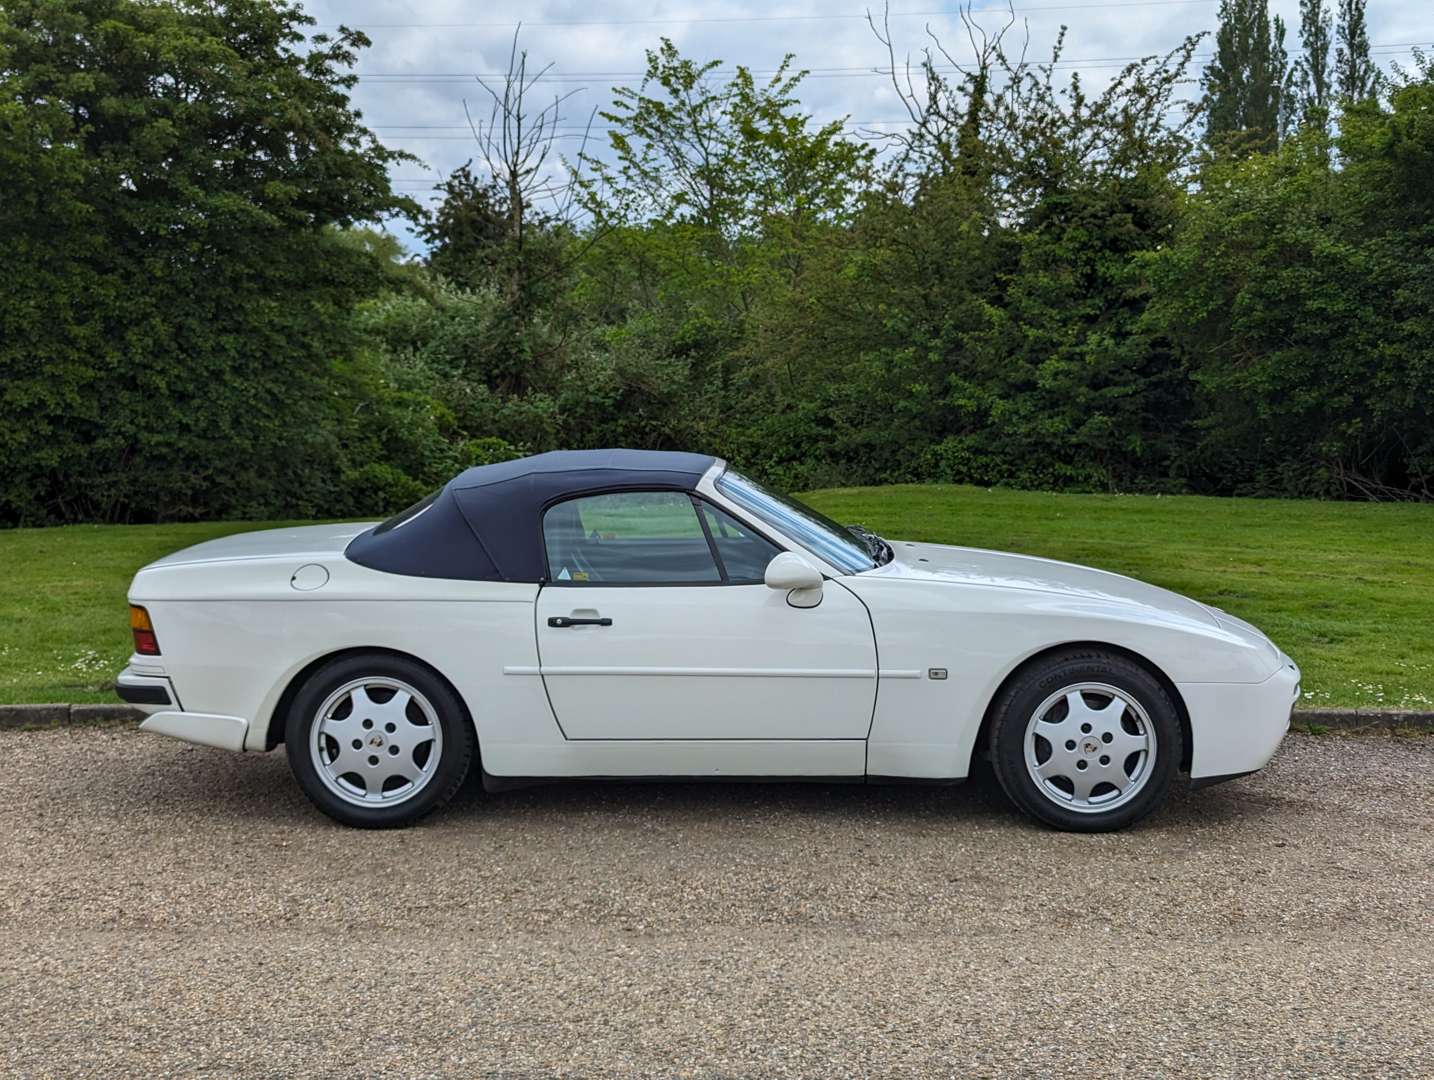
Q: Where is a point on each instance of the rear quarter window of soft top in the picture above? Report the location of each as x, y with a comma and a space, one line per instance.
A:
403, 517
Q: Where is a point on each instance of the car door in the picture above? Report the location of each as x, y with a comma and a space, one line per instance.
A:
654, 623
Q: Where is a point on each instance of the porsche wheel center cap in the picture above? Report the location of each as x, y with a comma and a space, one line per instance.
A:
1090, 746
375, 740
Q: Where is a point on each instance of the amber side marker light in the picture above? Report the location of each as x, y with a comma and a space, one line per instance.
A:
145, 643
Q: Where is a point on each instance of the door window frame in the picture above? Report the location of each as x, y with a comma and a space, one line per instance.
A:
697, 500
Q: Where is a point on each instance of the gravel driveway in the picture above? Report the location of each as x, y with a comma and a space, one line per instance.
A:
175, 909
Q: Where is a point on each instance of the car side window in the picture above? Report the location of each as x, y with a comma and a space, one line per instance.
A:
628, 537
744, 553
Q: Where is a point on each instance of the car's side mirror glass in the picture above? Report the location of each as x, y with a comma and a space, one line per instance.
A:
799, 579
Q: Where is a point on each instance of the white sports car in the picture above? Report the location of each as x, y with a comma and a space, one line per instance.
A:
631, 614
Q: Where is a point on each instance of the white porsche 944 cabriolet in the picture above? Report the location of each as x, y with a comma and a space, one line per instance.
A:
632, 614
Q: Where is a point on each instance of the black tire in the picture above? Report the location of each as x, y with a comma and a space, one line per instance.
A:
457, 744
1048, 676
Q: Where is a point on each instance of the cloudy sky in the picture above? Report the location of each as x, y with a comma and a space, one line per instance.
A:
426, 53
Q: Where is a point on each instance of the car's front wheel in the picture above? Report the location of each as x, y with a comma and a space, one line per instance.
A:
378, 741
1086, 740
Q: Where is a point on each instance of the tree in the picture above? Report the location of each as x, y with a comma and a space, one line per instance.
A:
465, 235
173, 287
1312, 71
535, 195
1247, 83
1282, 79
1300, 296
978, 320
1355, 73
509, 228
730, 160
720, 191
952, 114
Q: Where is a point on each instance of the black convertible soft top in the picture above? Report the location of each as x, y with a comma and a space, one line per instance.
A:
486, 524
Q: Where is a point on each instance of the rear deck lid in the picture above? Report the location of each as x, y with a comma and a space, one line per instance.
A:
302, 542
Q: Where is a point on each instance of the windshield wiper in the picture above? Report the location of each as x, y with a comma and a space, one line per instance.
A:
876, 547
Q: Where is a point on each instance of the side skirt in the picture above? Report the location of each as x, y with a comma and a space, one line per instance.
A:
493, 783
918, 781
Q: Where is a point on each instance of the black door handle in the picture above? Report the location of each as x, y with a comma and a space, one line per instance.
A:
560, 621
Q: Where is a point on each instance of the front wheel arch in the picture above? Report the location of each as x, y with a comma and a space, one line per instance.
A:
279, 718
983, 734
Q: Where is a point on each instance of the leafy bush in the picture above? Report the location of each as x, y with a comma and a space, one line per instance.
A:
1302, 294
173, 291
1037, 287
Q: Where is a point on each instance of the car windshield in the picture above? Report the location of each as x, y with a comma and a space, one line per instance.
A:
816, 532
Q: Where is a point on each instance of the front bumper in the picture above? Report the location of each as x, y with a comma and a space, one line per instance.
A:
150, 690
1237, 727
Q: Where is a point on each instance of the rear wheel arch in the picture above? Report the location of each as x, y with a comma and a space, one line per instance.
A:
279, 718
983, 735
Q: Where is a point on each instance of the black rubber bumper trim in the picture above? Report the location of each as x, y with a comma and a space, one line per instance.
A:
143, 694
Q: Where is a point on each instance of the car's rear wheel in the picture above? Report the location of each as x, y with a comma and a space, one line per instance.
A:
378, 741
1086, 740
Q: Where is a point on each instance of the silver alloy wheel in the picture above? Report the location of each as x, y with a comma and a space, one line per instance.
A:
376, 741
1090, 747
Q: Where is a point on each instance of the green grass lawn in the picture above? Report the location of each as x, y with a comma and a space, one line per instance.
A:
1347, 589
62, 599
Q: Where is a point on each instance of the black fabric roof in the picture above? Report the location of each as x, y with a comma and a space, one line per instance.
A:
487, 523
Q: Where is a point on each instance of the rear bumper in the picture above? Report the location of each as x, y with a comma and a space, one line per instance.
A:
151, 691
203, 729
1237, 727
